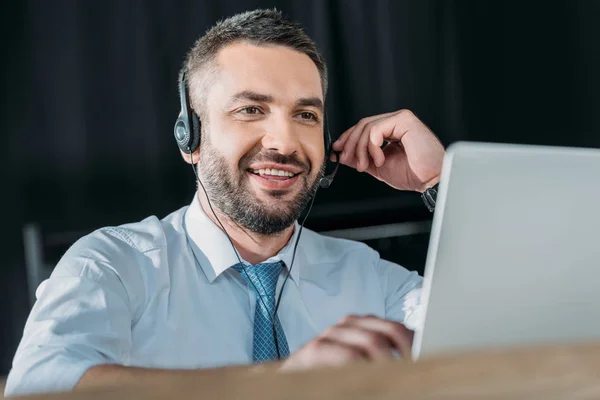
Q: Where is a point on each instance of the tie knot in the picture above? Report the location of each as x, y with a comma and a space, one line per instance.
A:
262, 278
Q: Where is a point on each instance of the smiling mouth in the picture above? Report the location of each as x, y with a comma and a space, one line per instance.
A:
273, 174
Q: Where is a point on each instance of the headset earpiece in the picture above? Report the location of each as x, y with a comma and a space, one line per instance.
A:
195, 138
187, 127
327, 180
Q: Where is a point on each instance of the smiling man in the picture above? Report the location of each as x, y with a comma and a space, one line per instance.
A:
233, 278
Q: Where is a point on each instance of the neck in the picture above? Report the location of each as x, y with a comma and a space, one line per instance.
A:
252, 247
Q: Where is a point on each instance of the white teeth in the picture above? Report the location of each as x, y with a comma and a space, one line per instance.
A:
273, 172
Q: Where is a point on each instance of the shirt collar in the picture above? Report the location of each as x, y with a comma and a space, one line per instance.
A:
214, 252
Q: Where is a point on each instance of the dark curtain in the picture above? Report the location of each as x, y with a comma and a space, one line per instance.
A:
89, 98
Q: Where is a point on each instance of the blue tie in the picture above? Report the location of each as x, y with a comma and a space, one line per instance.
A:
262, 279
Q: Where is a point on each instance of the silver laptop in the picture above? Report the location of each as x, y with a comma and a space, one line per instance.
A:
514, 254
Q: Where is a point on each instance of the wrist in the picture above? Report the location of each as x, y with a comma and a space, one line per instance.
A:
430, 184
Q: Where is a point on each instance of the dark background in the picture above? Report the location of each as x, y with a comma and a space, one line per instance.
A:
89, 98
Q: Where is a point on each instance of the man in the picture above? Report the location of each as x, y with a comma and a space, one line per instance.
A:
129, 303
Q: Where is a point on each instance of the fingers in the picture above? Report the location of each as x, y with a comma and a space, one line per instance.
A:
323, 351
362, 151
395, 332
348, 155
354, 143
375, 151
352, 339
335, 352
340, 143
375, 337
353, 154
370, 343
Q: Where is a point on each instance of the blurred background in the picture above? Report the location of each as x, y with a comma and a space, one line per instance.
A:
89, 98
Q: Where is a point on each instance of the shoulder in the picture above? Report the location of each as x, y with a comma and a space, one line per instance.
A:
336, 253
118, 249
327, 249
120, 260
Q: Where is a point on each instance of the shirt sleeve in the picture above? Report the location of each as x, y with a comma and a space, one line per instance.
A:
402, 289
82, 317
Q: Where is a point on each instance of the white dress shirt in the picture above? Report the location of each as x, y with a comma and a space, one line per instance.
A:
161, 294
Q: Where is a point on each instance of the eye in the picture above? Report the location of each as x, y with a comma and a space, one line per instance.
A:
252, 110
309, 116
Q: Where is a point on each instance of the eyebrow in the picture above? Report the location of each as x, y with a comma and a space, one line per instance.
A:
250, 95
310, 102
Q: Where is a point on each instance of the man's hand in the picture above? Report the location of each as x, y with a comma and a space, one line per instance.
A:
354, 338
412, 160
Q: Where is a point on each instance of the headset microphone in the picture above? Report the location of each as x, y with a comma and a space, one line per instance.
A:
326, 181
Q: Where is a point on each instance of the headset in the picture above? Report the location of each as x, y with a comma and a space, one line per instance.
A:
188, 126
187, 135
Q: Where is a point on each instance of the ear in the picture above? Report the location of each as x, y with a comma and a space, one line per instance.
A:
188, 157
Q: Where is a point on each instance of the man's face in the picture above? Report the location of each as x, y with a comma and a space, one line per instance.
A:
262, 149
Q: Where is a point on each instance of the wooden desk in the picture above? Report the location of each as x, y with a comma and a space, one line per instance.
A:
558, 372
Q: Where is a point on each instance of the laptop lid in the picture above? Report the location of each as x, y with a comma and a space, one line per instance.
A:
514, 254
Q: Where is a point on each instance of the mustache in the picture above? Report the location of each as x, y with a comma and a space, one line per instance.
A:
277, 158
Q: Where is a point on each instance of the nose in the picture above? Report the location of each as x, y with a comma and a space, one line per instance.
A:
281, 136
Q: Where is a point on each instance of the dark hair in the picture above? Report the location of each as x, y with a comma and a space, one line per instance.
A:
259, 27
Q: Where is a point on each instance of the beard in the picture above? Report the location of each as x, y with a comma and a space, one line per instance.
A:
231, 193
